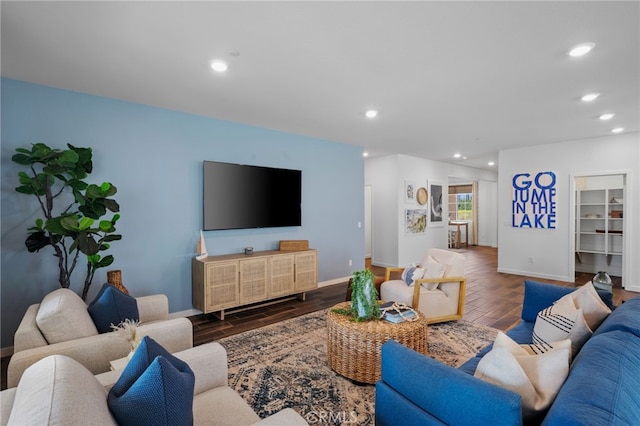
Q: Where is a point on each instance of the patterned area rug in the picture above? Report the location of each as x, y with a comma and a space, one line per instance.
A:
285, 365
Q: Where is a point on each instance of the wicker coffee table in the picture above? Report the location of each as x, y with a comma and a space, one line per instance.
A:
353, 348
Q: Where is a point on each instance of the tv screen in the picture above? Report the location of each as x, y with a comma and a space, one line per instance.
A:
239, 196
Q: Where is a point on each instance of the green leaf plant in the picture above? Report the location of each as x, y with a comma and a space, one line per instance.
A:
73, 209
364, 298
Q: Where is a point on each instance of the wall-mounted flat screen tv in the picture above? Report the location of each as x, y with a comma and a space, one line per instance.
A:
238, 196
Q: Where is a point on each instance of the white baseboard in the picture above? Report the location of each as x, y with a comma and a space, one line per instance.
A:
536, 275
185, 313
333, 281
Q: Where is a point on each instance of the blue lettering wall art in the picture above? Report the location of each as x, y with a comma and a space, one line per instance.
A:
534, 201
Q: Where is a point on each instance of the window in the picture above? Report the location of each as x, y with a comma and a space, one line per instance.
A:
460, 202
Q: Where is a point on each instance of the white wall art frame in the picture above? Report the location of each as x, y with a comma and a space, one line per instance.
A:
415, 221
436, 197
410, 191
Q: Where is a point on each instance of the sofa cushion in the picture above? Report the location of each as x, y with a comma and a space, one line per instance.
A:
222, 406
538, 296
624, 318
155, 388
111, 307
58, 390
593, 308
537, 378
560, 321
63, 316
520, 334
409, 373
602, 387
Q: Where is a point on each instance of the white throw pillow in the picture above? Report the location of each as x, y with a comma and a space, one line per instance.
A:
593, 308
58, 390
411, 274
62, 315
433, 269
560, 321
536, 378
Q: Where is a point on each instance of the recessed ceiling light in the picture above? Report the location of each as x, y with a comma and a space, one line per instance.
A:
219, 66
617, 130
457, 155
372, 113
365, 154
606, 116
581, 49
590, 97
491, 163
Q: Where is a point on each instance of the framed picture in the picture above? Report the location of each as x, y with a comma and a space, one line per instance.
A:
409, 192
415, 221
435, 204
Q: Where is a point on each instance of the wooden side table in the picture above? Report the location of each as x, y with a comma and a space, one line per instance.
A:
354, 348
466, 233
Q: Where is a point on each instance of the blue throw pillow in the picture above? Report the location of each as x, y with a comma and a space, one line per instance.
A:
155, 388
111, 306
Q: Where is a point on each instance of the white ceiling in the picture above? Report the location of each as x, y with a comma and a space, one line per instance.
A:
473, 77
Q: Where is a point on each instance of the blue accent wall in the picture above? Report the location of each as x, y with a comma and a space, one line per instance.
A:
154, 157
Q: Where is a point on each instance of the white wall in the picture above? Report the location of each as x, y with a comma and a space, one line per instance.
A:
487, 213
552, 249
387, 176
381, 174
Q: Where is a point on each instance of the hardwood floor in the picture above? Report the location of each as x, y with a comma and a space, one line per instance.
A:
492, 299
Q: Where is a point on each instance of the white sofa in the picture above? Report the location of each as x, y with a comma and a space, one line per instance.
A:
58, 390
70, 326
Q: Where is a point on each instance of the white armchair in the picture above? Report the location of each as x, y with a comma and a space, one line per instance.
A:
439, 298
58, 390
69, 330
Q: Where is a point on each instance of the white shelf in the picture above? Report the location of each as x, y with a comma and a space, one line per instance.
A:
598, 202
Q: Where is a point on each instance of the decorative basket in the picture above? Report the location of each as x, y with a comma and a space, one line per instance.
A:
294, 245
114, 278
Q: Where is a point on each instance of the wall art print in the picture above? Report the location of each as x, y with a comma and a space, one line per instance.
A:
409, 191
534, 200
415, 221
435, 204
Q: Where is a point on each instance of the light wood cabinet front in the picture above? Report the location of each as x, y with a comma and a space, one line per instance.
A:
229, 281
306, 271
253, 280
221, 285
282, 275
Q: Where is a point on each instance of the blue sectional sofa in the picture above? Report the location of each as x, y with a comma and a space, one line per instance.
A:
602, 387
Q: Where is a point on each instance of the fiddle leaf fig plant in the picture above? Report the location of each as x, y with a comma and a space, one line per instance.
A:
74, 211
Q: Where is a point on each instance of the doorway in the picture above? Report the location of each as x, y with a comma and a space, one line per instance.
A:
600, 224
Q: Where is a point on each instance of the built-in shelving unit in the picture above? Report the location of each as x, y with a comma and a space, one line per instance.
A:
599, 223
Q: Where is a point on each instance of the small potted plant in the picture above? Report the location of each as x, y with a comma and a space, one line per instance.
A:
364, 297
